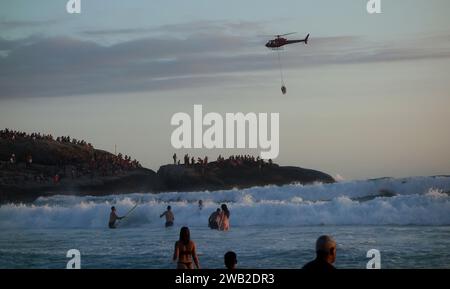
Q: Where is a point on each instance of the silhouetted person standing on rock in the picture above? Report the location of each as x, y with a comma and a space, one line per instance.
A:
29, 161
174, 159
12, 160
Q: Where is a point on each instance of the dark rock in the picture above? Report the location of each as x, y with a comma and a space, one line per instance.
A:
217, 176
21, 183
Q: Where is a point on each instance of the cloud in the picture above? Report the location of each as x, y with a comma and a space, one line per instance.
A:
14, 24
193, 27
59, 66
106, 32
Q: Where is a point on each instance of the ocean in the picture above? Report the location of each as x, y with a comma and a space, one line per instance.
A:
407, 220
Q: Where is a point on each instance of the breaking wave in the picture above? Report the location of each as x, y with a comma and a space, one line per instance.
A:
407, 201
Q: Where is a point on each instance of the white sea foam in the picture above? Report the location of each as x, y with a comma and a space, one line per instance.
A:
409, 201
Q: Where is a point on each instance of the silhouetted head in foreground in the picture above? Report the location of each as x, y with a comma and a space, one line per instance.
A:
325, 255
185, 235
326, 249
113, 209
169, 208
230, 260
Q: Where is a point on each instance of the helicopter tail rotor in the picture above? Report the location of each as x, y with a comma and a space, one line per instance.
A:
306, 39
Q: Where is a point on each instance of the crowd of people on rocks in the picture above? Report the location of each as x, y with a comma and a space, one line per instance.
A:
92, 163
13, 135
67, 139
109, 164
233, 160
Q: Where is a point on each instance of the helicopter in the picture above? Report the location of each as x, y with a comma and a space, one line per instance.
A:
277, 44
280, 41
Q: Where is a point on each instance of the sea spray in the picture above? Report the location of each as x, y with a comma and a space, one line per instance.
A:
411, 201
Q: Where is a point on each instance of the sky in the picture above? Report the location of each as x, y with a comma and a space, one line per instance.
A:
368, 97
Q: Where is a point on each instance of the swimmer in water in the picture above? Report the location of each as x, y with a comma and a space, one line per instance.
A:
169, 216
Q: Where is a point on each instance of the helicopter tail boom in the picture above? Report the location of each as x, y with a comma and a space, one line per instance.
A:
298, 41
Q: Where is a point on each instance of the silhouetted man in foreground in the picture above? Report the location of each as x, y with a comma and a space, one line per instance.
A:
230, 260
325, 255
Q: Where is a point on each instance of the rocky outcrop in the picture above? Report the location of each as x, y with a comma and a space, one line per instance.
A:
138, 180
215, 176
80, 170
77, 175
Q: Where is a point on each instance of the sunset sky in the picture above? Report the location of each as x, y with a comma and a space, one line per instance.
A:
368, 97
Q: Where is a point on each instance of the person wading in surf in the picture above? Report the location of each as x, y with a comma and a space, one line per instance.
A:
214, 219
169, 216
224, 223
113, 218
185, 251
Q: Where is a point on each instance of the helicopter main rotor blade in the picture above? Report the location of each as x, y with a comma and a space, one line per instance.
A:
276, 35
287, 34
